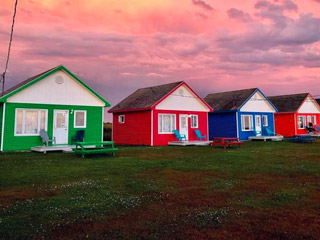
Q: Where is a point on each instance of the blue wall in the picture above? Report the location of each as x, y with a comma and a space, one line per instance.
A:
244, 135
222, 125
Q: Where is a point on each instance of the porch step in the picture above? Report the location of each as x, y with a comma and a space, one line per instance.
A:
265, 138
44, 149
189, 143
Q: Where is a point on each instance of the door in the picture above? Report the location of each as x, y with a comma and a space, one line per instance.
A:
60, 126
258, 124
183, 123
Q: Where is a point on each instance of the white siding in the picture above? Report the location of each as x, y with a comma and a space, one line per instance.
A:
48, 91
257, 103
309, 106
183, 99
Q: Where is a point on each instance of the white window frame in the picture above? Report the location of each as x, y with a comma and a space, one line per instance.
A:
314, 119
161, 115
309, 119
74, 118
266, 118
123, 119
24, 121
304, 118
250, 123
192, 122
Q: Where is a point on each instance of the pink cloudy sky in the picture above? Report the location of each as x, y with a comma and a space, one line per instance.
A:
117, 46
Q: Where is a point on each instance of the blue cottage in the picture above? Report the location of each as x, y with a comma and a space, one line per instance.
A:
240, 114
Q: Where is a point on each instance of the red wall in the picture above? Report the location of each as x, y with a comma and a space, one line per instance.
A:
163, 139
136, 130
285, 124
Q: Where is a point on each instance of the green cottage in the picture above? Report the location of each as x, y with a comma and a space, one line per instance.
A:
56, 101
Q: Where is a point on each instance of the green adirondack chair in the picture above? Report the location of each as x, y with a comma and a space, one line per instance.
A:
179, 136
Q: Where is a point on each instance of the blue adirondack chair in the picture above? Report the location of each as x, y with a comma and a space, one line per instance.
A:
179, 136
198, 133
79, 137
269, 132
318, 128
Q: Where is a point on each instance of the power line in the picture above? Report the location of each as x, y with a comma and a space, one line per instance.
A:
9, 48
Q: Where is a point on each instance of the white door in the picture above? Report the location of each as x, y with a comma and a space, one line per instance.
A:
60, 126
183, 123
258, 124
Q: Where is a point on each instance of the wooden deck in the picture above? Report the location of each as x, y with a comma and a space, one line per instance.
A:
266, 138
55, 148
189, 143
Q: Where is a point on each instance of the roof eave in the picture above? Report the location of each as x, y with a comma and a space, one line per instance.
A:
60, 67
130, 110
175, 88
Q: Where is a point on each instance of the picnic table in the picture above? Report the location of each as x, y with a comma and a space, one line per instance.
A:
84, 148
226, 142
302, 139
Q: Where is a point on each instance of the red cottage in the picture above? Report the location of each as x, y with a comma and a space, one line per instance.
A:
296, 111
149, 115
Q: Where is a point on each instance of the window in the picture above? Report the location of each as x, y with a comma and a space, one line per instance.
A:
309, 119
301, 122
265, 120
80, 119
166, 123
247, 122
314, 118
28, 122
121, 119
194, 121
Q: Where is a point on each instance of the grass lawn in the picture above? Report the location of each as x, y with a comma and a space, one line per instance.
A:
264, 190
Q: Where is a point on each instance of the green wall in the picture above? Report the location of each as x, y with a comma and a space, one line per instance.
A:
93, 130
1, 115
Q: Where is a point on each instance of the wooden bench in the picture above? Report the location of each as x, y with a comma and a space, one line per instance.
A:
226, 142
84, 148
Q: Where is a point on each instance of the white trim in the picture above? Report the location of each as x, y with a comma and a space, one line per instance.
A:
265, 116
112, 128
314, 119
237, 121
24, 122
151, 127
124, 119
257, 122
3, 119
195, 115
54, 120
187, 124
85, 118
274, 124
208, 126
175, 122
295, 123
102, 123
250, 122
309, 117
305, 122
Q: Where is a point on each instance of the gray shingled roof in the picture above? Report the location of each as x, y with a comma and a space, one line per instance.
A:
288, 103
144, 97
318, 100
24, 83
228, 101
